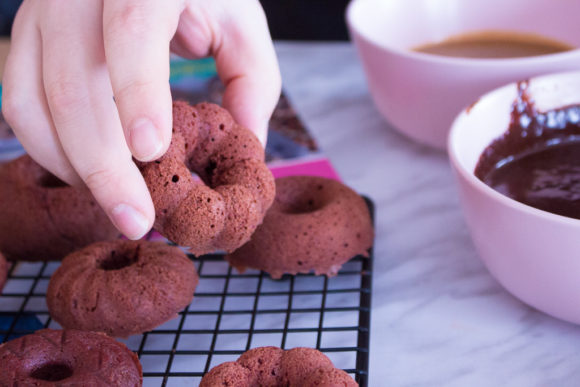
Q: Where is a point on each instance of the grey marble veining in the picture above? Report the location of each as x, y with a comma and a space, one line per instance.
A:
438, 317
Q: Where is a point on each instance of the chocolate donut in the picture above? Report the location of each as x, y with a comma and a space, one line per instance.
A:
41, 218
272, 366
68, 358
3, 271
121, 287
314, 224
221, 209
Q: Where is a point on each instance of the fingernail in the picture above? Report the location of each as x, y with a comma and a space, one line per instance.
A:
146, 142
132, 223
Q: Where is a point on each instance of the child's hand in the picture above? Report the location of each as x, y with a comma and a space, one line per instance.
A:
69, 58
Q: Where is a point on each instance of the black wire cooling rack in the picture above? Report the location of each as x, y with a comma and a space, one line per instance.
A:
230, 313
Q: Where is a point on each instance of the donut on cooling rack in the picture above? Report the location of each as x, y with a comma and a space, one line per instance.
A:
121, 287
272, 366
221, 209
315, 224
3, 271
41, 218
68, 358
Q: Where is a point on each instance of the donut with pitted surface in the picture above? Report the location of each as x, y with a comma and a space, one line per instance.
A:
3, 271
221, 209
315, 224
42, 218
329, 377
122, 287
272, 366
68, 358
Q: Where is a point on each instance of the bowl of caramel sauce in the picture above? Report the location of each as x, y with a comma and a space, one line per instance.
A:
425, 60
516, 157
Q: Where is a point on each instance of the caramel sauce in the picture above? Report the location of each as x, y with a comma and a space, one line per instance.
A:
495, 44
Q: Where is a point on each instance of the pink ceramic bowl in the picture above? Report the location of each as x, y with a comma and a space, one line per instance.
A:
534, 254
420, 94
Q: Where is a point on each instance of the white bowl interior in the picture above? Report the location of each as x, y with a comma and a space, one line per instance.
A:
476, 127
403, 24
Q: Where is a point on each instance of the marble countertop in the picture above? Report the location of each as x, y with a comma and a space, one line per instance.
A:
438, 317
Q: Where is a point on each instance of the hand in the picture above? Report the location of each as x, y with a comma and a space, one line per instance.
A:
69, 58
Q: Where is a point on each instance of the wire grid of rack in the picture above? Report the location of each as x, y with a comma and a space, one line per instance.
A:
231, 313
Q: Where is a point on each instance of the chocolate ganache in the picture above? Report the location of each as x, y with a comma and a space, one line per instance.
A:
537, 160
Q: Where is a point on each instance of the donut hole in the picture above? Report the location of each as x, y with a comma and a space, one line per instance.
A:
118, 260
48, 180
52, 372
301, 205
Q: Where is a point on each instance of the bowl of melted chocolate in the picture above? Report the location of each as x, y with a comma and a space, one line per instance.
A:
516, 157
426, 60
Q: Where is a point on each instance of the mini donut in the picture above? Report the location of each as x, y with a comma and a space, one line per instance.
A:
221, 209
68, 358
272, 366
121, 287
3, 271
41, 218
314, 224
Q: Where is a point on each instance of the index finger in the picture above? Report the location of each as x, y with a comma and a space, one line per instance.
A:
136, 38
